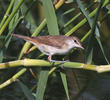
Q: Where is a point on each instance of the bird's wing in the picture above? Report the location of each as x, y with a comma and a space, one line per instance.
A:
56, 41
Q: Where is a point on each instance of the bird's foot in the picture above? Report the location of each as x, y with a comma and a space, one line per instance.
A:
59, 61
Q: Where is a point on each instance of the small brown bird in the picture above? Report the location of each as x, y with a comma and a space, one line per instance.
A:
51, 45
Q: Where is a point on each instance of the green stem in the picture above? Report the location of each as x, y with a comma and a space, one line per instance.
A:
81, 23
86, 35
13, 79
43, 63
41, 26
76, 16
11, 16
7, 12
84, 20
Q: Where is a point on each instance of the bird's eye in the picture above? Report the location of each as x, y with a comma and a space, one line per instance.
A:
75, 41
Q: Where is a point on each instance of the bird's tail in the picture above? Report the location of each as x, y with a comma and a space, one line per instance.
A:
26, 38
22, 37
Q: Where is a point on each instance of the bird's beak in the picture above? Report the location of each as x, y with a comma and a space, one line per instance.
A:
82, 47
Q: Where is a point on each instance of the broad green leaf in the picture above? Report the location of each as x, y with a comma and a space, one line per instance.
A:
90, 21
50, 17
96, 30
29, 20
26, 91
100, 44
85, 12
89, 55
64, 80
53, 30
42, 84
52, 26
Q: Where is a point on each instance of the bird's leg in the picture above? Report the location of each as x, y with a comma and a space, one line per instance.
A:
50, 59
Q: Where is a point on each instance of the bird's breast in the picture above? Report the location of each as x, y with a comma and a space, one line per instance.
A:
50, 50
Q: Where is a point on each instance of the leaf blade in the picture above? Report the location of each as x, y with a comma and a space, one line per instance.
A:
50, 17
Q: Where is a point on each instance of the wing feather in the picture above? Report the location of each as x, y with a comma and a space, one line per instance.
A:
56, 41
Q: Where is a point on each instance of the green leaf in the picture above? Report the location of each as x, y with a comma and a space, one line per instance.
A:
69, 11
108, 7
89, 53
95, 31
26, 91
8, 39
15, 17
29, 20
50, 17
42, 84
53, 30
100, 44
64, 80
85, 12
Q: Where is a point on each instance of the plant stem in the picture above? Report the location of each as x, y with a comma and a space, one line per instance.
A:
11, 16
7, 12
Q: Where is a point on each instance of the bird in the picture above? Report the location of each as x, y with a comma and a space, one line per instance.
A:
53, 44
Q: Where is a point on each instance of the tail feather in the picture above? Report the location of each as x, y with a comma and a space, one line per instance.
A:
26, 38
22, 37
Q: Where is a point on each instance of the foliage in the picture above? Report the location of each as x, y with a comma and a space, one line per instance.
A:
87, 20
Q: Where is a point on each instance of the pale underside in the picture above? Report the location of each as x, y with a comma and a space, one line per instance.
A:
50, 50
